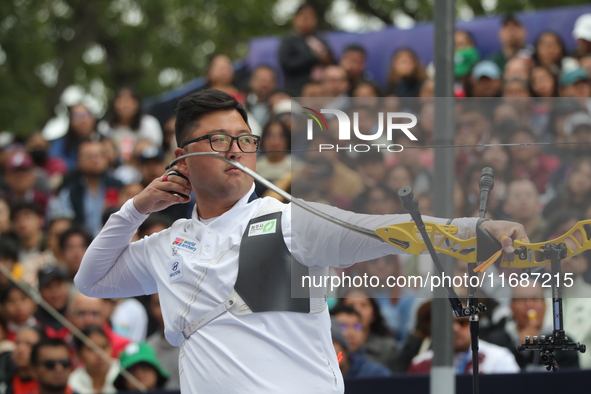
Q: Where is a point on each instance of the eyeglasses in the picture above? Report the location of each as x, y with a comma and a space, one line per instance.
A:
221, 142
51, 364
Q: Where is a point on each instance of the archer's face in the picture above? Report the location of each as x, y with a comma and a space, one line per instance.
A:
211, 178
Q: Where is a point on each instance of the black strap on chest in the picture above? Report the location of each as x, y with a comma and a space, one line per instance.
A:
266, 269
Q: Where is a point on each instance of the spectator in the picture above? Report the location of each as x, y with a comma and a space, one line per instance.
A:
466, 53
529, 161
353, 60
492, 358
513, 36
51, 167
381, 346
165, 352
50, 358
561, 109
499, 158
125, 124
20, 176
54, 288
9, 259
519, 89
73, 244
275, 160
154, 223
517, 67
347, 335
95, 375
19, 309
312, 89
140, 360
544, 82
303, 54
82, 127
523, 206
577, 190
485, 81
395, 304
577, 128
527, 316
582, 34
90, 189
549, 50
575, 83
339, 183
130, 319
378, 199
220, 75
151, 164
398, 177
336, 85
473, 128
406, 74
263, 82
16, 370
85, 311
372, 168
366, 93
55, 229
27, 221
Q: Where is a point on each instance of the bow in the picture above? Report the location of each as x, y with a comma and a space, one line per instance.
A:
405, 236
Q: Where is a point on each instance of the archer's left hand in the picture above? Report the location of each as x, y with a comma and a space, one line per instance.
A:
506, 232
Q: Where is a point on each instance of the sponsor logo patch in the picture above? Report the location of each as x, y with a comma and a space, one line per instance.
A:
266, 227
185, 244
175, 269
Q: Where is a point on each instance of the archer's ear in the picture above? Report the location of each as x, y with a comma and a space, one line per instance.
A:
182, 164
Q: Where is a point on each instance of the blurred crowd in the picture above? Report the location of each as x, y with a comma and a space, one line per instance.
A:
525, 112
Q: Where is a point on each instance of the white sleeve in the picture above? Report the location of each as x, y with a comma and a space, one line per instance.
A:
317, 242
112, 267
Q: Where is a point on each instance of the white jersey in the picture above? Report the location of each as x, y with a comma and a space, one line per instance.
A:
193, 266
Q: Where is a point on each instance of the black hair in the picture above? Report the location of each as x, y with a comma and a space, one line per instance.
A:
355, 48
152, 220
373, 85
8, 249
525, 130
553, 75
359, 204
378, 325
6, 292
347, 309
303, 7
469, 34
113, 118
284, 130
75, 230
47, 342
535, 56
192, 107
72, 139
88, 331
24, 206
